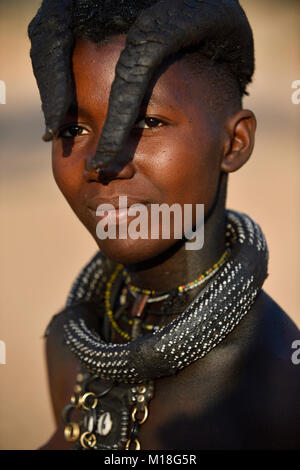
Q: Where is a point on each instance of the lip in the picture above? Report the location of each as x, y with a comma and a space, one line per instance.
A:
95, 202
119, 213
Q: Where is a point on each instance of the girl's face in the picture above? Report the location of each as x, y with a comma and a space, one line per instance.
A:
173, 154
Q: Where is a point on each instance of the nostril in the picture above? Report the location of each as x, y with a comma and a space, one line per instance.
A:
101, 175
92, 175
107, 174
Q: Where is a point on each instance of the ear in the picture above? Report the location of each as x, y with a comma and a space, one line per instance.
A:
240, 136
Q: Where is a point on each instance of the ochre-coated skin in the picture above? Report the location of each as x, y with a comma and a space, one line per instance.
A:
244, 393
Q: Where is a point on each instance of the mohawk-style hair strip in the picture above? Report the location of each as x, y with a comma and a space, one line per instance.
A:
162, 30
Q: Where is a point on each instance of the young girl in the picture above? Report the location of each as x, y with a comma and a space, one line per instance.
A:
160, 346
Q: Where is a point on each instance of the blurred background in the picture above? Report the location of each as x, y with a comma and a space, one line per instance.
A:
42, 244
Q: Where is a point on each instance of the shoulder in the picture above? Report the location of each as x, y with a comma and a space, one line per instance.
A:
274, 327
271, 335
265, 335
85, 299
257, 381
272, 378
62, 365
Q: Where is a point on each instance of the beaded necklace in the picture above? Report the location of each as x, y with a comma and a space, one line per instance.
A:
161, 296
155, 296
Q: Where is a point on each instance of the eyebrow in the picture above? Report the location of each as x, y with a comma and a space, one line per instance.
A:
74, 109
153, 100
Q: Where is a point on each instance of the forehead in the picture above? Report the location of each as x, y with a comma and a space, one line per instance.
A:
94, 71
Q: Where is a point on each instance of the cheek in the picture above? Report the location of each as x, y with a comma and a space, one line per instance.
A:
200, 164
68, 173
203, 171
187, 168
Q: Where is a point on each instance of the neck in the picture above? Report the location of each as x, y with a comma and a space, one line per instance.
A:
179, 266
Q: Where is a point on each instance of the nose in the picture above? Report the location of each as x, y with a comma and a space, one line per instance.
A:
104, 174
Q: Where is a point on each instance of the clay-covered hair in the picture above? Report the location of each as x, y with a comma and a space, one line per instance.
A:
156, 30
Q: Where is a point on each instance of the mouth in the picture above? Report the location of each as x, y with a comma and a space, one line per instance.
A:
116, 210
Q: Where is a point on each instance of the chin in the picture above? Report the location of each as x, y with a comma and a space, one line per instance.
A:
133, 251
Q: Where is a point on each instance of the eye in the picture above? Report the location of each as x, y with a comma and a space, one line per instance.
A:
70, 132
148, 123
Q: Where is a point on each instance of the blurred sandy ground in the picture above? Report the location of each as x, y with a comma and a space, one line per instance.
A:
42, 244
